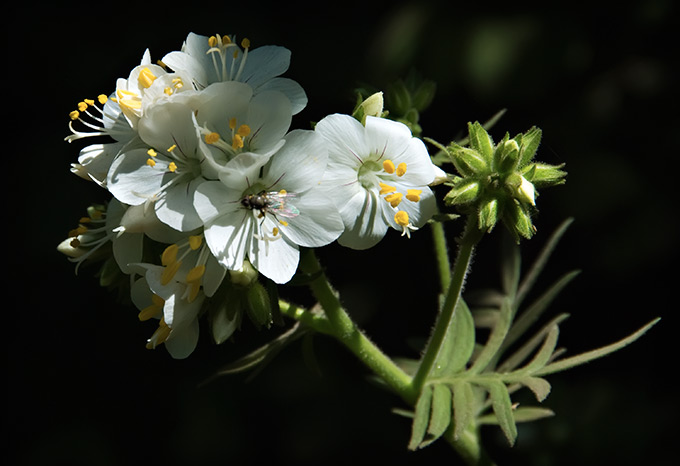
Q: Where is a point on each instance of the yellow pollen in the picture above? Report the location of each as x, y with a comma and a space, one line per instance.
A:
74, 115
283, 192
85, 220
89, 102
394, 199
212, 41
401, 218
151, 162
161, 64
172, 147
159, 336
195, 242
194, 288
243, 130
275, 231
388, 166
169, 256
237, 142
401, 169
151, 153
75, 242
245, 43
172, 167
82, 106
153, 309
77, 231
235, 54
386, 189
226, 40
283, 222
232, 123
146, 78
178, 83
167, 91
413, 195
169, 272
212, 138
196, 273
102, 98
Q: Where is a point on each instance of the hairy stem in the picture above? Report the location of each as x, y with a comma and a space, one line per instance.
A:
471, 236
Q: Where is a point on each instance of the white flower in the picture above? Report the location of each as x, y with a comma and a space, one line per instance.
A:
267, 218
219, 58
379, 174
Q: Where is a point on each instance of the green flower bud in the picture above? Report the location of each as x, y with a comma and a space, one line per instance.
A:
488, 214
464, 192
518, 221
371, 106
258, 305
225, 313
245, 276
468, 162
507, 156
424, 95
543, 175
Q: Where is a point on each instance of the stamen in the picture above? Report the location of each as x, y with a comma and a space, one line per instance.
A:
172, 147
195, 242
153, 310
401, 169
102, 98
237, 142
386, 189
401, 218
159, 336
388, 166
413, 195
394, 199
243, 130
212, 138
172, 167
195, 274
151, 153
74, 115
169, 256
169, 272
245, 43
151, 162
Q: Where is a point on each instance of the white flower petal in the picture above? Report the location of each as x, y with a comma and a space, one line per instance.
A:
319, 222
176, 207
299, 164
364, 224
345, 138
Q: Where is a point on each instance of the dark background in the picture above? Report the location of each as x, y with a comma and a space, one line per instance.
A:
82, 390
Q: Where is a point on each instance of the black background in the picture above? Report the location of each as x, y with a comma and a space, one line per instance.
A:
82, 390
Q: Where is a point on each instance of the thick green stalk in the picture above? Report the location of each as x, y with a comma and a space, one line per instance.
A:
441, 251
345, 330
471, 236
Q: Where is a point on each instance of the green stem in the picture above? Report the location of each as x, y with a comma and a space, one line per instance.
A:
441, 251
471, 236
344, 329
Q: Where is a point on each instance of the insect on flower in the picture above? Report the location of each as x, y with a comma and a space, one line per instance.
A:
273, 202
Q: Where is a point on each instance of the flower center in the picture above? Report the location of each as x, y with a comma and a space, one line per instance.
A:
228, 59
374, 174
173, 257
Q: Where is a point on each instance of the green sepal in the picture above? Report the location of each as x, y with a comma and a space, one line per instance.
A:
258, 305
465, 191
543, 175
481, 141
507, 156
468, 161
488, 214
529, 143
424, 94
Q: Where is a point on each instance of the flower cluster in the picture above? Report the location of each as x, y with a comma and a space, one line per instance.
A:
210, 186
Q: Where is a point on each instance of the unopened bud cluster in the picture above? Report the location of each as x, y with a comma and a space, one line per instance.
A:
499, 181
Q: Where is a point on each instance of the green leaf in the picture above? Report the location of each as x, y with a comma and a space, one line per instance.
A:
527, 348
463, 406
421, 418
459, 342
588, 356
530, 413
531, 314
543, 355
502, 408
495, 340
539, 386
542, 259
440, 413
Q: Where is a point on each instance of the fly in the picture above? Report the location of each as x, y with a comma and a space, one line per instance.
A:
273, 202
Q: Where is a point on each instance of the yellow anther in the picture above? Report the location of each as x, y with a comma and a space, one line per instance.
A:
194, 288
243, 130
401, 218
401, 169
89, 102
75, 243
212, 138
195, 274
212, 41
169, 256
232, 123
226, 40
275, 231
172, 147
168, 91
169, 272
102, 98
413, 195
151, 153
245, 43
74, 115
82, 106
195, 242
237, 142
146, 78
394, 199
178, 83
235, 54
153, 310
172, 167
151, 162
85, 220
386, 189
283, 223
161, 64
159, 336
77, 231
283, 192
388, 166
